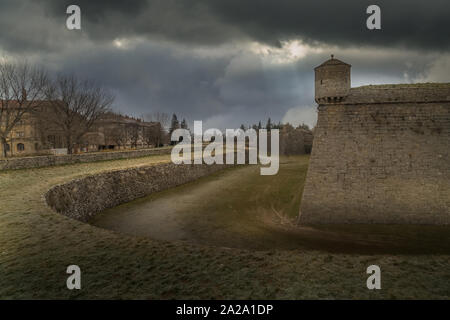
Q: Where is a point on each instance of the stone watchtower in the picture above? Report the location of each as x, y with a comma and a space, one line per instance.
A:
332, 81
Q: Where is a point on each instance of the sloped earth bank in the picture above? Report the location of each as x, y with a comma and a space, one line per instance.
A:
37, 245
239, 208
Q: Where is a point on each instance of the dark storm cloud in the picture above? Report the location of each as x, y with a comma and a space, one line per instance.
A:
161, 77
197, 57
225, 90
408, 23
420, 24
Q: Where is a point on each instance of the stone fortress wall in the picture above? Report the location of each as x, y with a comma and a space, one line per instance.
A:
83, 198
381, 154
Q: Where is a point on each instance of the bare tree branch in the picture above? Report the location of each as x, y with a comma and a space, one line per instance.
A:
22, 91
77, 105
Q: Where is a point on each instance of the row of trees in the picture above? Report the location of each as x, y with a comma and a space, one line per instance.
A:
131, 134
75, 104
175, 124
157, 135
73, 107
293, 140
270, 125
166, 126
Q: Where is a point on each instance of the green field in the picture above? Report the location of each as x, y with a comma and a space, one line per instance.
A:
266, 256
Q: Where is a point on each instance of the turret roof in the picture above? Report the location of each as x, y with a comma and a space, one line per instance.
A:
332, 62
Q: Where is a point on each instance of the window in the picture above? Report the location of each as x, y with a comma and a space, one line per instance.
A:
51, 140
20, 134
59, 142
20, 147
7, 147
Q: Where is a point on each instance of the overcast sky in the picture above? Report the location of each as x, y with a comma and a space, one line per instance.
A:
228, 62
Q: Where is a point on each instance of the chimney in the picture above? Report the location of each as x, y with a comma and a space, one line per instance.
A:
24, 94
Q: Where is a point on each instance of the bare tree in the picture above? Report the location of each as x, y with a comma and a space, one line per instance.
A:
117, 135
22, 91
133, 133
161, 117
77, 105
164, 121
152, 134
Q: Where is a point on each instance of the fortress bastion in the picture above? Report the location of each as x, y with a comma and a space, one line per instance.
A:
381, 153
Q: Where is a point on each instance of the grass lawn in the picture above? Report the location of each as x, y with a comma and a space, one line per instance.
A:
37, 245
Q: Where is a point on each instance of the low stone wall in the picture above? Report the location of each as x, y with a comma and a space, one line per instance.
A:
81, 199
52, 160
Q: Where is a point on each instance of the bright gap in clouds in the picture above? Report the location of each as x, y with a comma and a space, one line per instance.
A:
290, 51
301, 115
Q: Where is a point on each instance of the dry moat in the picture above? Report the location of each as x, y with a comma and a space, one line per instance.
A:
238, 208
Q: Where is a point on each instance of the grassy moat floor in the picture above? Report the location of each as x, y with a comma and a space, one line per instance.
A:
265, 255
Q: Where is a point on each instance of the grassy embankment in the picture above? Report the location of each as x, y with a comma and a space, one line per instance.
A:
36, 246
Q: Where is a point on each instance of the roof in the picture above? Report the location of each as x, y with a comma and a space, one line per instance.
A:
397, 93
424, 85
113, 117
332, 62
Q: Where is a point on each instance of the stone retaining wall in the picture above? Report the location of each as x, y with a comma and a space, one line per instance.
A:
51, 160
81, 199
